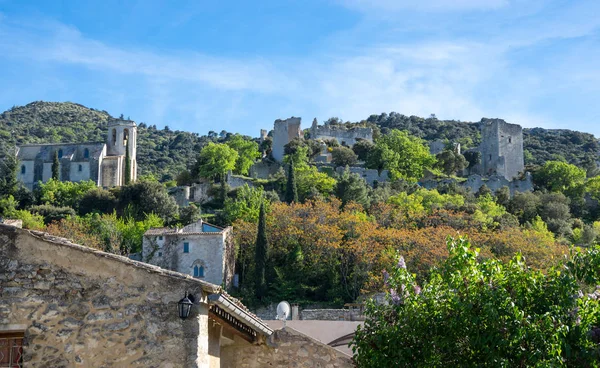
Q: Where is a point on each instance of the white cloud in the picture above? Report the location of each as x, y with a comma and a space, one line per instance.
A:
423, 5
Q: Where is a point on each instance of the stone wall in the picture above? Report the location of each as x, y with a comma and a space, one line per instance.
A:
324, 314
283, 132
285, 348
370, 175
236, 181
345, 136
494, 182
81, 307
264, 169
501, 149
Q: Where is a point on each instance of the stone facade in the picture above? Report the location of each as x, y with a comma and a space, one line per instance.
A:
501, 149
344, 136
264, 169
285, 348
283, 132
80, 307
494, 182
200, 250
101, 162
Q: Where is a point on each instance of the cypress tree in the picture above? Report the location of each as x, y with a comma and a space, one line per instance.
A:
127, 176
291, 191
261, 251
55, 166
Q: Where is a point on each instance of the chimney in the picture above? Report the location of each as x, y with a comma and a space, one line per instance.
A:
295, 314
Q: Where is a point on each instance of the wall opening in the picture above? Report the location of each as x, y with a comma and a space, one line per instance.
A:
509, 139
125, 136
11, 349
60, 153
23, 169
198, 271
186, 247
114, 136
86, 153
80, 168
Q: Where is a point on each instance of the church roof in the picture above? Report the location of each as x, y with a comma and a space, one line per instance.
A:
71, 151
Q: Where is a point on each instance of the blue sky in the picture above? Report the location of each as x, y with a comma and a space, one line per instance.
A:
238, 66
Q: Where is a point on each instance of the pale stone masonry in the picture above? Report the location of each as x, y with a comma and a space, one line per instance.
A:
76, 306
283, 132
342, 134
199, 249
101, 162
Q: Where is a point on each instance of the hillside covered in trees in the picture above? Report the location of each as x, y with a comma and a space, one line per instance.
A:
165, 153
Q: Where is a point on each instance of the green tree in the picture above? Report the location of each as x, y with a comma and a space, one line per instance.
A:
245, 206
405, 156
451, 162
97, 200
247, 153
55, 167
362, 148
261, 254
63, 193
215, 160
352, 187
525, 206
473, 313
8, 173
503, 196
558, 176
343, 156
291, 190
127, 176
142, 198
189, 214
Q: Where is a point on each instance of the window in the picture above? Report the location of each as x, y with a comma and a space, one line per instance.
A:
80, 168
198, 271
490, 157
186, 247
114, 136
125, 136
160, 238
60, 153
23, 169
86, 153
509, 139
11, 349
160, 254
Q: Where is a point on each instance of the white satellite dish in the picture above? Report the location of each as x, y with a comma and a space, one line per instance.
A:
283, 311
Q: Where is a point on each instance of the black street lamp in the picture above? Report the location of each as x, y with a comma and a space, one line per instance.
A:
184, 306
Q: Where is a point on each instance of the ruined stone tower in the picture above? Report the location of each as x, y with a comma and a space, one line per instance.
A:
501, 148
283, 132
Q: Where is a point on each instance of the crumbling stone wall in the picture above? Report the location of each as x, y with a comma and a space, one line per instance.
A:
285, 348
345, 136
283, 132
501, 149
81, 307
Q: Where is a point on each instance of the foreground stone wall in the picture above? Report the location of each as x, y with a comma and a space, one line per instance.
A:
285, 348
81, 307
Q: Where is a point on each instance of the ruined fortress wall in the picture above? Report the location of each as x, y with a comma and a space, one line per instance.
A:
343, 135
283, 132
501, 149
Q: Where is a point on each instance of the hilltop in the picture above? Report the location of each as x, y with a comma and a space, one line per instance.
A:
164, 153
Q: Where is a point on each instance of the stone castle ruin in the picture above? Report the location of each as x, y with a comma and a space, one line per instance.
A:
501, 150
283, 132
345, 136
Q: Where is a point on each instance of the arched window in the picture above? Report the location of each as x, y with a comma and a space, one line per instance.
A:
86, 153
60, 153
114, 136
125, 136
23, 169
198, 271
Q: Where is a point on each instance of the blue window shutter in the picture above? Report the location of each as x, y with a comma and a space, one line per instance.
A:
201, 271
195, 271
186, 247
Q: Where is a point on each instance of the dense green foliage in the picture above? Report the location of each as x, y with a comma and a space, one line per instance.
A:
215, 160
473, 313
261, 252
291, 189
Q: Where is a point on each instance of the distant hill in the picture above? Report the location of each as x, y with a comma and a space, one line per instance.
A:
165, 153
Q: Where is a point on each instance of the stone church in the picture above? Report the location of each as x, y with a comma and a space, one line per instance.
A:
102, 162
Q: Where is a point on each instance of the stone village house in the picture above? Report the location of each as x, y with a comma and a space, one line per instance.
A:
67, 305
199, 249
